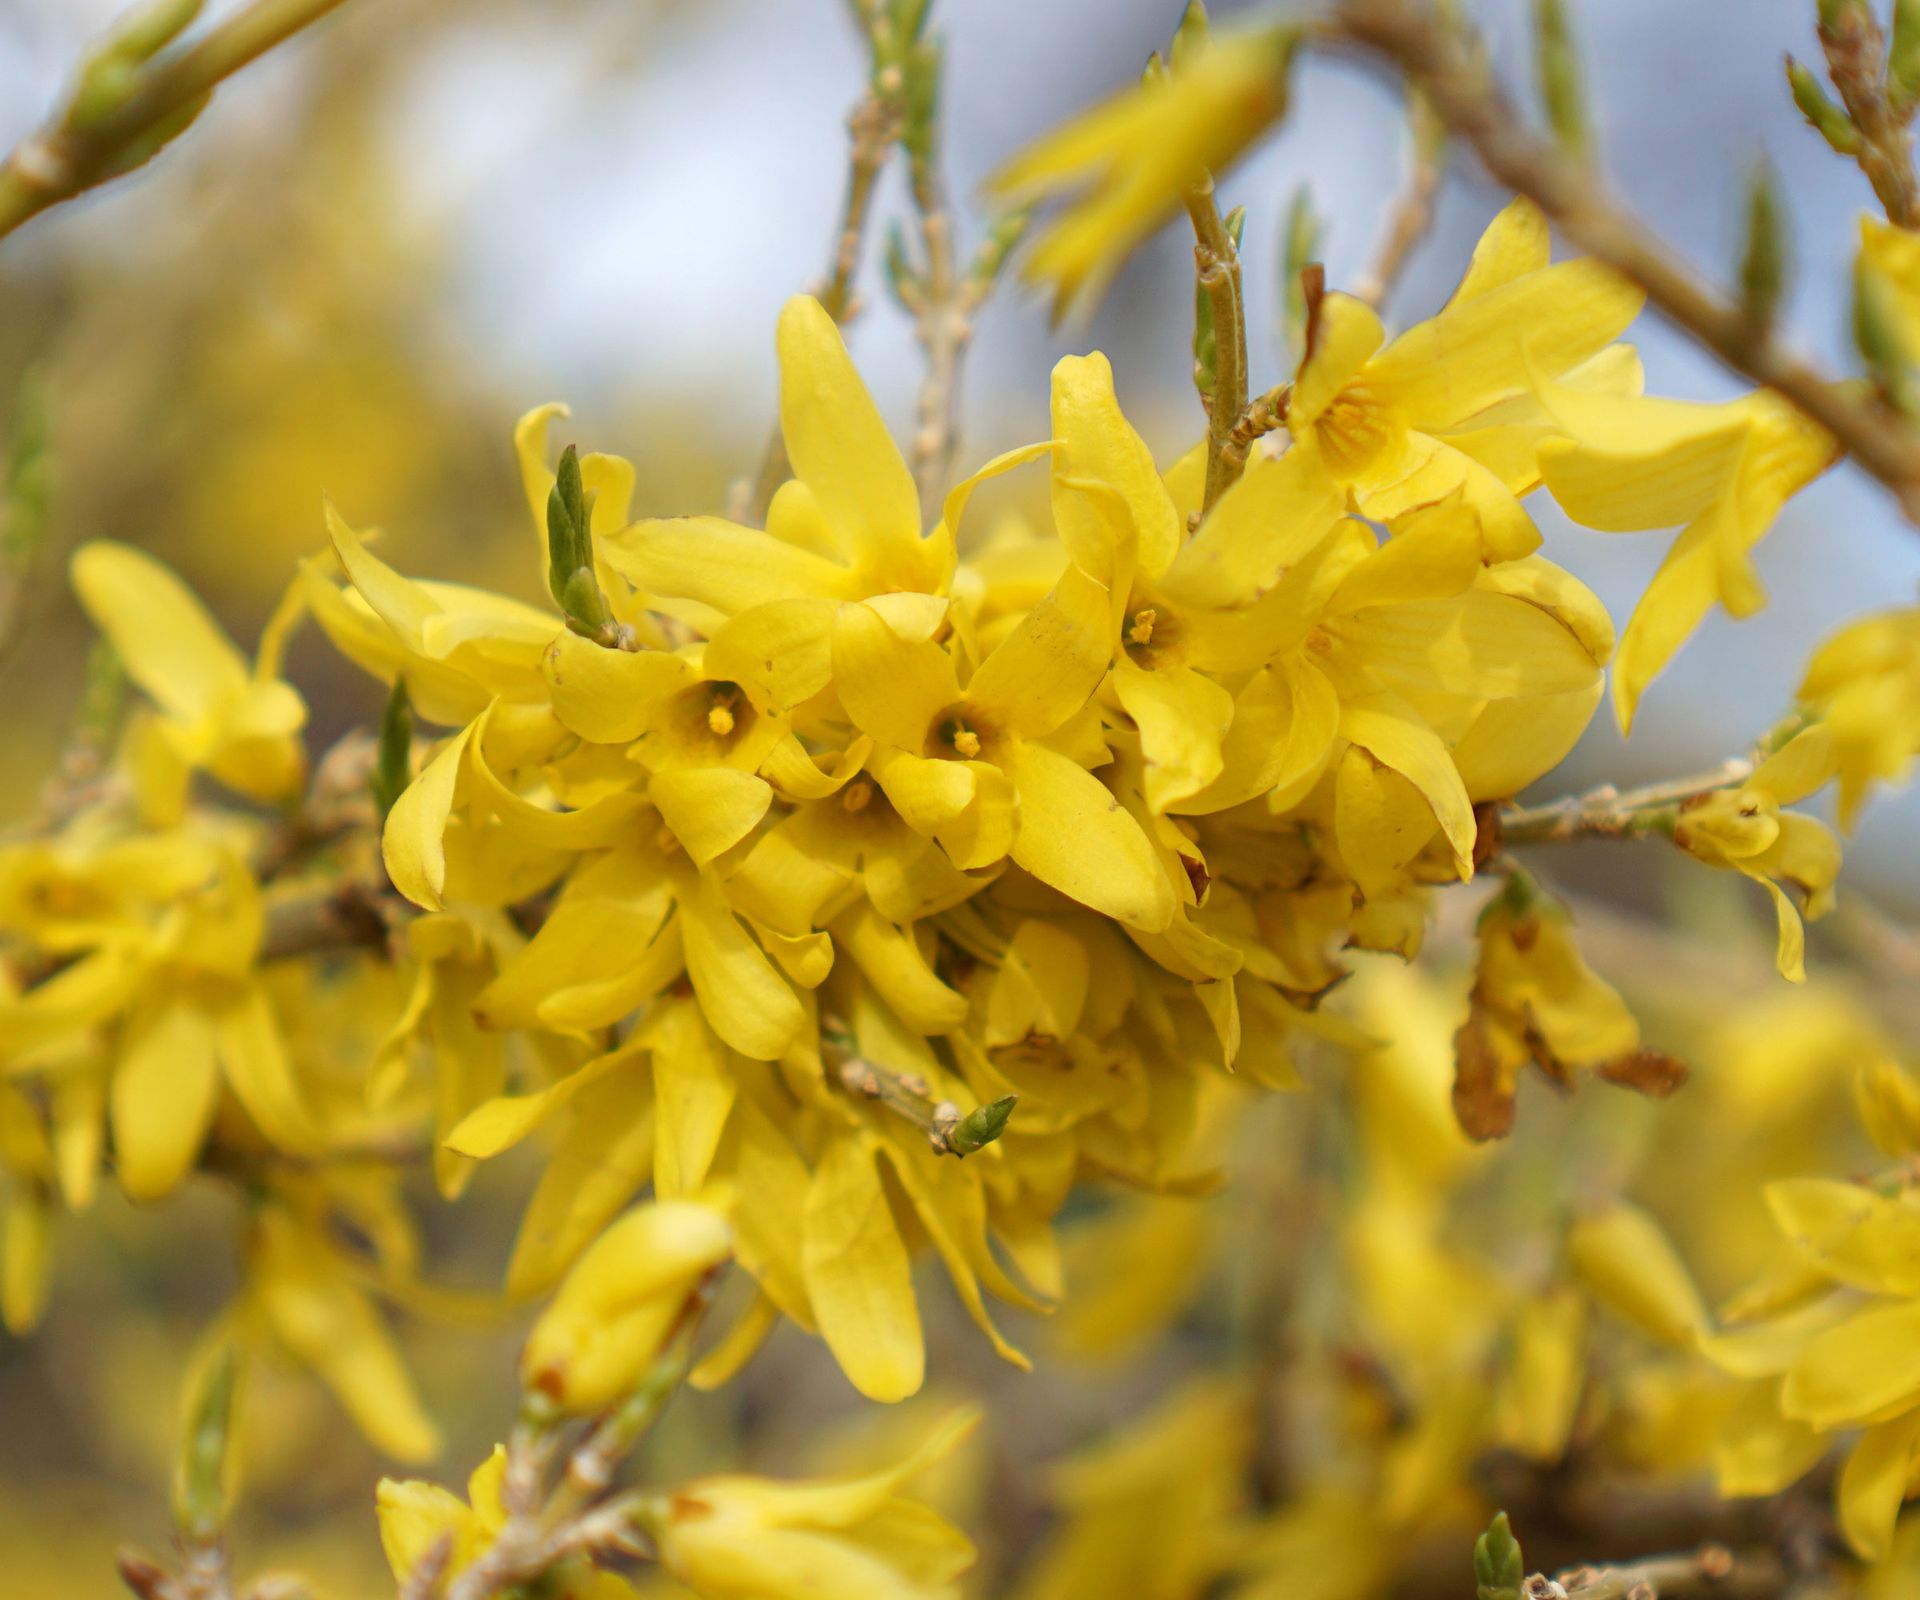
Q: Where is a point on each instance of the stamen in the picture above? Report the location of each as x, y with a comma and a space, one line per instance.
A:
967, 742
858, 795
720, 720
1142, 630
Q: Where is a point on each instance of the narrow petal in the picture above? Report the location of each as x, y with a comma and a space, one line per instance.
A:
162, 1095
858, 1276
839, 446
1075, 836
413, 843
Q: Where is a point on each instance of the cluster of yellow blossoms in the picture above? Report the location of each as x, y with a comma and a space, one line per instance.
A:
854, 894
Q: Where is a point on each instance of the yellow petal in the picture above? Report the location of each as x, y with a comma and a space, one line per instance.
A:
693, 1093
1111, 510
1044, 671
1075, 836
1346, 333
710, 809
1516, 242
720, 564
891, 687
162, 1095
858, 1276
1183, 716
1395, 739
839, 446
744, 997
1276, 512
328, 1323
1470, 355
170, 644
609, 696
413, 843
1627, 1262
1874, 1483
781, 653
1381, 822
892, 961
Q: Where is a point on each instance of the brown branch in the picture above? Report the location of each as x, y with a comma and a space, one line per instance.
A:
1473, 107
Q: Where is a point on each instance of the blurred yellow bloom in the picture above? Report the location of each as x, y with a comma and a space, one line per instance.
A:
622, 1303
744, 1538
241, 724
1841, 1355
1138, 154
1864, 682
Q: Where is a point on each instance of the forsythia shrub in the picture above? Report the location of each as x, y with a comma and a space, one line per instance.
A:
842, 883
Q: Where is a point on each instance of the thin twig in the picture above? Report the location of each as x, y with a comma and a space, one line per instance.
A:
1473, 107
942, 325
68, 156
1711, 1570
1216, 262
1610, 813
1410, 218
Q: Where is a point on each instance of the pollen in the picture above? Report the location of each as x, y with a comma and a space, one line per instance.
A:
858, 796
1141, 632
967, 742
720, 720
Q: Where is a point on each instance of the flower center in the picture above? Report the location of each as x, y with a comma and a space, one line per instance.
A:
1353, 430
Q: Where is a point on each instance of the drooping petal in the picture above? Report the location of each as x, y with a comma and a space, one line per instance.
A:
858, 1276
1183, 717
413, 843
1075, 836
162, 1095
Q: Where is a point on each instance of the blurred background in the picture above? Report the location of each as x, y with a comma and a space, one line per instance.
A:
382, 244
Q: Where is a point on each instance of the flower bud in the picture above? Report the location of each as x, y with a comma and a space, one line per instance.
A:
620, 1306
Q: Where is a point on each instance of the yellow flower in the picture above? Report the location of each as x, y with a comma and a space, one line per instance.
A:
1138, 154
1864, 683
744, 1538
974, 769
622, 1303
307, 1299
1628, 463
241, 724
1449, 407
1744, 829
